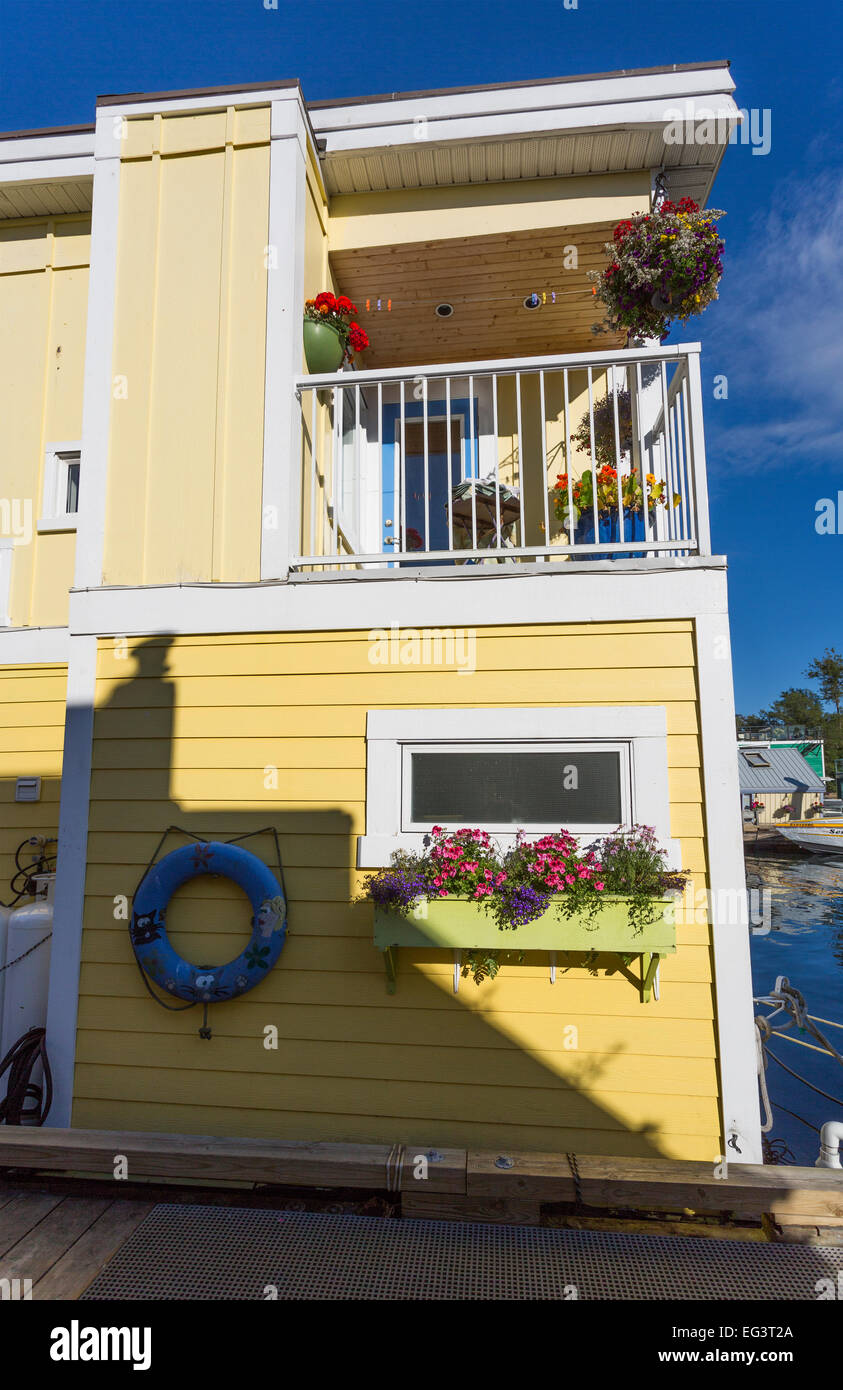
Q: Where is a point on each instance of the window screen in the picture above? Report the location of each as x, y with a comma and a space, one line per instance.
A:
547, 788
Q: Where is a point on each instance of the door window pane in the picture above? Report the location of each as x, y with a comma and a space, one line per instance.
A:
552, 788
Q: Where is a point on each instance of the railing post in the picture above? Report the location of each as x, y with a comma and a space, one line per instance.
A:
698, 454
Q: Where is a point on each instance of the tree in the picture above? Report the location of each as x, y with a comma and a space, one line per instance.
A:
828, 672
747, 723
796, 705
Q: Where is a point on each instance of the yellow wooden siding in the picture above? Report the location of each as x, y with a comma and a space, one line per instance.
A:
186, 453
185, 730
43, 308
31, 741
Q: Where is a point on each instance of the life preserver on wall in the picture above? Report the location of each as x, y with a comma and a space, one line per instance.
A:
198, 983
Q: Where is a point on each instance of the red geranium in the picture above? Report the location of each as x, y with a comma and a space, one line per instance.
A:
335, 311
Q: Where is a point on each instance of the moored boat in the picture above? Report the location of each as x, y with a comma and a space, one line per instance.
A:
823, 835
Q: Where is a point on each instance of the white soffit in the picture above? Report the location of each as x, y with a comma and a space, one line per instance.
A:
45, 174
548, 130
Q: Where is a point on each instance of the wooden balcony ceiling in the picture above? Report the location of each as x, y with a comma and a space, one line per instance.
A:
486, 278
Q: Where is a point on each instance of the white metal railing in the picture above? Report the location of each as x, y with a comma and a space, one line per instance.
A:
475, 462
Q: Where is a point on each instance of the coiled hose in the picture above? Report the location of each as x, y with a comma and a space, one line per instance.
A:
20, 1062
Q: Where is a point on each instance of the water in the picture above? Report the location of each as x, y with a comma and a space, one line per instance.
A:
805, 943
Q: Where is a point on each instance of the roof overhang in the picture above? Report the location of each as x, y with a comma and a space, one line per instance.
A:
46, 173
676, 119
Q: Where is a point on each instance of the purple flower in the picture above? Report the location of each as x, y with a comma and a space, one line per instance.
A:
395, 888
524, 904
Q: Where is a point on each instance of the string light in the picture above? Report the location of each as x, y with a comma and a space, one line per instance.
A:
535, 299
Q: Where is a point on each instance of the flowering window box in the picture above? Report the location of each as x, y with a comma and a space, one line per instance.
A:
460, 924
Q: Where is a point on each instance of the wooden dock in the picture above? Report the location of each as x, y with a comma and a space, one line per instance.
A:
60, 1243
60, 1238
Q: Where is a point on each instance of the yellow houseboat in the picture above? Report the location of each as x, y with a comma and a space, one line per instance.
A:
245, 599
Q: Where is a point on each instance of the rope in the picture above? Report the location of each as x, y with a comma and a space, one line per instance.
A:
394, 1168
575, 1174
23, 956
794, 1116
762, 1082
834, 1099
20, 1062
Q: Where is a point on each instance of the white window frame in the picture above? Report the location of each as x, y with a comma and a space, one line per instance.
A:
509, 746
392, 734
54, 516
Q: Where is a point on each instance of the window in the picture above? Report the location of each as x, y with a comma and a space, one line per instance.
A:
60, 500
756, 759
588, 769
506, 786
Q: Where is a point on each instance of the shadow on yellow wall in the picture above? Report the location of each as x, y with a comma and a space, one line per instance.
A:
318, 1050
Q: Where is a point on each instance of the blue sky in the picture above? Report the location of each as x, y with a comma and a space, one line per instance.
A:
775, 445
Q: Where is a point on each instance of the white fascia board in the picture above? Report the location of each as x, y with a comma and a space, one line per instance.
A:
33, 646
45, 149
35, 171
653, 115
219, 101
671, 87
677, 592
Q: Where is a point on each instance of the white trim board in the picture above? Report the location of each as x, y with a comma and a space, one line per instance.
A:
727, 882
284, 313
516, 109
63, 997
34, 646
643, 727
521, 599
97, 391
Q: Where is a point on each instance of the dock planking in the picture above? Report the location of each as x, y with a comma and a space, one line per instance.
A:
60, 1243
455, 1183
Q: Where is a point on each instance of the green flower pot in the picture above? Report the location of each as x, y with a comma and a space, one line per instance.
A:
324, 349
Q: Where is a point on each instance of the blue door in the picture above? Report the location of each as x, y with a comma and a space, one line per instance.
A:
425, 509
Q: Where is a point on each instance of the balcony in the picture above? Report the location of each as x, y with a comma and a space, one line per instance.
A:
458, 465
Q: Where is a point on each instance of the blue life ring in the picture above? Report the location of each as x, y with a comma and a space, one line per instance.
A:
198, 983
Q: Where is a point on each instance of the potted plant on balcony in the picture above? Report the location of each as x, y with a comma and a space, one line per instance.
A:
330, 334
665, 264
574, 506
546, 894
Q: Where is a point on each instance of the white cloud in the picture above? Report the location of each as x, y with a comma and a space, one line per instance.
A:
777, 332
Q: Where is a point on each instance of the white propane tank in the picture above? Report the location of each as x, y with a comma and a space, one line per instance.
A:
27, 982
5, 914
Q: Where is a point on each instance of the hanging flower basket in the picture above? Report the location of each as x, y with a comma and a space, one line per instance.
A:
665, 264
324, 349
330, 334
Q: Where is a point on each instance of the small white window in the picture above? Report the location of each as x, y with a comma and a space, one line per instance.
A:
588, 769
60, 499
534, 786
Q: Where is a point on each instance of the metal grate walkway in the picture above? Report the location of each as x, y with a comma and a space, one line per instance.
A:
207, 1252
